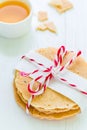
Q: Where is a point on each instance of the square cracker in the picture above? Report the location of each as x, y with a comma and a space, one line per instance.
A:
42, 16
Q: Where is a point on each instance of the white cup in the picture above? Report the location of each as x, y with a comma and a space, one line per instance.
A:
18, 29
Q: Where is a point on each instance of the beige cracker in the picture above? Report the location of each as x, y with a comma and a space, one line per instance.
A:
42, 16
61, 5
47, 26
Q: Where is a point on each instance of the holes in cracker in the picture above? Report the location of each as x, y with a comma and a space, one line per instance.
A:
25, 81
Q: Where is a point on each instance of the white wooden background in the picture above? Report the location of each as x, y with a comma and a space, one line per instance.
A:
72, 32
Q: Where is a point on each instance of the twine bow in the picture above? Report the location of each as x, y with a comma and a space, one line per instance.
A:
49, 73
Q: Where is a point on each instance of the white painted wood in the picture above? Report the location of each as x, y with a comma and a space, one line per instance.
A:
72, 31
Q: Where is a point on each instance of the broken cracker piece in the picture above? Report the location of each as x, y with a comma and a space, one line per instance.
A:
42, 27
56, 3
42, 16
61, 5
47, 26
51, 26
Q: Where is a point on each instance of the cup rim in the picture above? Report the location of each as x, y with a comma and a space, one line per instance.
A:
21, 21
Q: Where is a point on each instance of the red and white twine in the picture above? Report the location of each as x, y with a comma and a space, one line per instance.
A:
51, 72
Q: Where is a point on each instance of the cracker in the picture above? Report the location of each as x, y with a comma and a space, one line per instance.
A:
42, 27
47, 26
53, 116
42, 16
57, 3
51, 26
40, 102
61, 5
42, 115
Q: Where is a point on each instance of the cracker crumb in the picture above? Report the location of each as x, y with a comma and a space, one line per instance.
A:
61, 5
42, 16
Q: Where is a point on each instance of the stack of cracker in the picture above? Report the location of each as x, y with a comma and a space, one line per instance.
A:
51, 104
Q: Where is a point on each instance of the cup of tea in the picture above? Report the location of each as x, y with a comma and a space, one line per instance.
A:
15, 18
